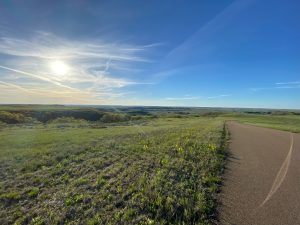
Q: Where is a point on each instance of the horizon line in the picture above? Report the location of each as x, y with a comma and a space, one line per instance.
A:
158, 106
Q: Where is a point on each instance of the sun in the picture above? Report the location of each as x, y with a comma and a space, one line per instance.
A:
59, 68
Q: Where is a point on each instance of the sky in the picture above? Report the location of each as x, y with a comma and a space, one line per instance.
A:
220, 53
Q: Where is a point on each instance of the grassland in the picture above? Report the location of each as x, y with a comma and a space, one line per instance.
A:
134, 165
156, 171
281, 122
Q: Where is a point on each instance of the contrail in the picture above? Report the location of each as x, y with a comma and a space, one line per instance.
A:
281, 174
16, 86
37, 77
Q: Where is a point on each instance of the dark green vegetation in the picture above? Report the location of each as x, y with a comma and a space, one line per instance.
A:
17, 115
122, 165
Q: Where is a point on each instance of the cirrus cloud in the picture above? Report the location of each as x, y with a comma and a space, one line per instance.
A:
97, 67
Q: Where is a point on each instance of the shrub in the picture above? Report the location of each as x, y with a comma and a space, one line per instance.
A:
88, 114
113, 117
68, 120
12, 118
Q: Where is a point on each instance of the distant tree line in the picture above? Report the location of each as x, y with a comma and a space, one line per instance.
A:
16, 117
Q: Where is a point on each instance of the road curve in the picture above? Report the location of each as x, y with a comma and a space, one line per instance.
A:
262, 177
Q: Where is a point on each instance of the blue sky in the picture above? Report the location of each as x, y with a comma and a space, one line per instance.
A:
243, 53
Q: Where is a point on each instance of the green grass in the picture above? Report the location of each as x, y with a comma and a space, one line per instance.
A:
164, 170
161, 171
281, 122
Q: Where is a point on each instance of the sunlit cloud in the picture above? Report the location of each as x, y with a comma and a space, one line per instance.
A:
95, 67
6, 85
48, 46
42, 95
35, 76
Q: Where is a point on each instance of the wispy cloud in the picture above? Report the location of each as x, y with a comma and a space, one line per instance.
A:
287, 83
258, 89
14, 86
48, 46
278, 86
33, 94
187, 97
287, 87
95, 66
182, 98
34, 76
219, 96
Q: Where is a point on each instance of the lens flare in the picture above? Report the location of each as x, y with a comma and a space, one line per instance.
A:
59, 67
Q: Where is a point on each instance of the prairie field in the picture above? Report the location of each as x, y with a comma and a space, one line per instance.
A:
157, 171
279, 122
141, 166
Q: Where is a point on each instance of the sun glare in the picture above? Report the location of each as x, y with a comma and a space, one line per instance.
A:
59, 68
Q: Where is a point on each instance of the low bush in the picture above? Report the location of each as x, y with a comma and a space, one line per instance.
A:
113, 117
12, 118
